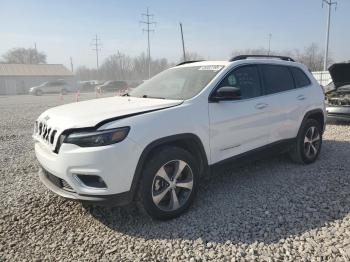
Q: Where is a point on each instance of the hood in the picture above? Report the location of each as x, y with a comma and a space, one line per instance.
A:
93, 112
340, 74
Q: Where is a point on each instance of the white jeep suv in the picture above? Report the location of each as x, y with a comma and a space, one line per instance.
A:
154, 144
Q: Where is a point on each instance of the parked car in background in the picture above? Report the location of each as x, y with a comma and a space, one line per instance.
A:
51, 87
87, 86
338, 98
112, 86
154, 144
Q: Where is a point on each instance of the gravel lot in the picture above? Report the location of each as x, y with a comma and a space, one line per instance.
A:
268, 210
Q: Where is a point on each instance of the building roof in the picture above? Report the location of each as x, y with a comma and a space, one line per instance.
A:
34, 70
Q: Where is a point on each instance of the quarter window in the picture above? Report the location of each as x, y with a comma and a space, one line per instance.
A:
277, 79
300, 78
247, 79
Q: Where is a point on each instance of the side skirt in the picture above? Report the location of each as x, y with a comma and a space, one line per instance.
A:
275, 148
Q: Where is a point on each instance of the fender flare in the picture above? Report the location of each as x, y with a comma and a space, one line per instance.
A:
307, 116
163, 141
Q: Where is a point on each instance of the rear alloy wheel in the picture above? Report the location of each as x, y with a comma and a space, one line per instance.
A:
308, 143
169, 183
312, 142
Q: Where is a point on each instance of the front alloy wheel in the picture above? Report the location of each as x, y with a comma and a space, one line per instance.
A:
172, 185
169, 183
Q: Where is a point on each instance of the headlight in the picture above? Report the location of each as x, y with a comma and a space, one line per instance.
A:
97, 138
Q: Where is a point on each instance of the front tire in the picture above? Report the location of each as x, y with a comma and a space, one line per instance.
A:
169, 183
308, 143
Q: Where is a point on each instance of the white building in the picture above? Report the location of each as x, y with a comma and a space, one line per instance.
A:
18, 78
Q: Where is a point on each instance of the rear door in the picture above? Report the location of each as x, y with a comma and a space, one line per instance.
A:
283, 99
241, 125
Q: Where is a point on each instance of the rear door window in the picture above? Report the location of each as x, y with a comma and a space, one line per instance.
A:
300, 78
276, 79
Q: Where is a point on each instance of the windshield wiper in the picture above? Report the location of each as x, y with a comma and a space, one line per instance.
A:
155, 97
126, 94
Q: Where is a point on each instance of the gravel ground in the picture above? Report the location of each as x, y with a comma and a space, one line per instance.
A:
268, 210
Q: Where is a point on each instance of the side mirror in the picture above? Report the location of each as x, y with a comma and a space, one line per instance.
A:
227, 93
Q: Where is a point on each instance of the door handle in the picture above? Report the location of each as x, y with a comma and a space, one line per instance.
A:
301, 97
261, 105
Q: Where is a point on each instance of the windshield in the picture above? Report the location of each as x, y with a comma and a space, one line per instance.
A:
177, 83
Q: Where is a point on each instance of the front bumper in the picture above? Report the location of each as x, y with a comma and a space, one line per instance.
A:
114, 164
120, 199
338, 113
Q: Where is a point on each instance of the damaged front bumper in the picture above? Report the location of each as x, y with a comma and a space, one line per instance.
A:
338, 113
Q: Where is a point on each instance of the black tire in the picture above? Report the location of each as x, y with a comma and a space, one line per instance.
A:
300, 149
167, 158
38, 92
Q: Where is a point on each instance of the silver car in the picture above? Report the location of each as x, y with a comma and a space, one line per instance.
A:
58, 86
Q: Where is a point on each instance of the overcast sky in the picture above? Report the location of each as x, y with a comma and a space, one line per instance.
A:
213, 29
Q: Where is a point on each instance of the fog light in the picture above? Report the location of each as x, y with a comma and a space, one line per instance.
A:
92, 181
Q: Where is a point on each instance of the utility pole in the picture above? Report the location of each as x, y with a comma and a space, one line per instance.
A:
96, 43
71, 64
270, 36
148, 17
330, 3
35, 46
183, 42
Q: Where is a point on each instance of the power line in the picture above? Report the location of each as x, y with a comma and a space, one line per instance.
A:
148, 17
330, 3
96, 43
183, 42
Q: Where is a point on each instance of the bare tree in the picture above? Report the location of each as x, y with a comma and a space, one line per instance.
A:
192, 56
123, 67
24, 56
311, 56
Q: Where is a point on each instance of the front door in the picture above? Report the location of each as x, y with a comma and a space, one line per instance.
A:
237, 126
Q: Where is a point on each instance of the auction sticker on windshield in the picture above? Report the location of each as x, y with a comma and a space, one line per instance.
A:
211, 67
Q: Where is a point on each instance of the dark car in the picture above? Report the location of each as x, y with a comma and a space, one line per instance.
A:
338, 99
112, 86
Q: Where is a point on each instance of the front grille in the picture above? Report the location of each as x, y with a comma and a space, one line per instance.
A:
59, 182
45, 132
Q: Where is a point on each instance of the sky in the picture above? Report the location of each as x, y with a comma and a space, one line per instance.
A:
213, 29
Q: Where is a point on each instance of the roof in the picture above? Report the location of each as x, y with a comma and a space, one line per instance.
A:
34, 70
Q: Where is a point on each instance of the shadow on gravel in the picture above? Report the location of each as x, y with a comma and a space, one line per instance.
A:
266, 200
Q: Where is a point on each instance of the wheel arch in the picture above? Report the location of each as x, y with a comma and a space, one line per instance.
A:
316, 114
187, 141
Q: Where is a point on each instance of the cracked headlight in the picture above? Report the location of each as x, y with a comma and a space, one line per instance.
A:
97, 138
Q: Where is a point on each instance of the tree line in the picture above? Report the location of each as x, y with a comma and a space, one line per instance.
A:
121, 66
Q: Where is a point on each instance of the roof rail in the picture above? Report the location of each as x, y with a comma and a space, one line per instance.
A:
189, 62
242, 57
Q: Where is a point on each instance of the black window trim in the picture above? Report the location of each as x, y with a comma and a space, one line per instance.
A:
229, 72
295, 83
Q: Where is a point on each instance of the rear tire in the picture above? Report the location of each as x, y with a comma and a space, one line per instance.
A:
169, 183
308, 143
